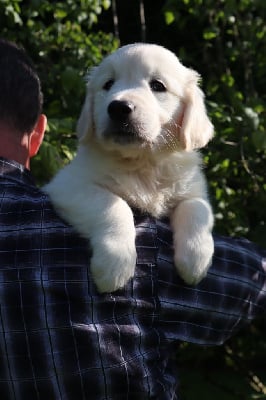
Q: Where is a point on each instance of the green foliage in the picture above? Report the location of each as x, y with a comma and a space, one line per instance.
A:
225, 41
235, 371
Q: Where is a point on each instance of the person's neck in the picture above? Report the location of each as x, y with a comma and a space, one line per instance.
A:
14, 146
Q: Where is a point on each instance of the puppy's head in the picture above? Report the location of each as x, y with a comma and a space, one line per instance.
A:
142, 96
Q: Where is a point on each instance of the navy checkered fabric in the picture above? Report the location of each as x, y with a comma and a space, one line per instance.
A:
60, 339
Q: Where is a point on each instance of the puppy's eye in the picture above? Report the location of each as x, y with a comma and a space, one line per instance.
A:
157, 86
108, 84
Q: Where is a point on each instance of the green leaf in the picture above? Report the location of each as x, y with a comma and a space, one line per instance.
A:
169, 17
210, 34
259, 139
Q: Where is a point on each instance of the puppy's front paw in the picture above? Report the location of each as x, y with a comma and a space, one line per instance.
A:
192, 222
193, 257
113, 263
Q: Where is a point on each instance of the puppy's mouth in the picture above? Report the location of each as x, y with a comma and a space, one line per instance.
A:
123, 134
122, 127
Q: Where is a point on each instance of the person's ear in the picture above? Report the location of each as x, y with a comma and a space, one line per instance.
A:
36, 136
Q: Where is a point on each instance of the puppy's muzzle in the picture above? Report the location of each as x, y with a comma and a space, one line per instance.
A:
123, 128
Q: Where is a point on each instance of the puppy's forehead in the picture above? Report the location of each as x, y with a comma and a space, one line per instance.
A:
145, 59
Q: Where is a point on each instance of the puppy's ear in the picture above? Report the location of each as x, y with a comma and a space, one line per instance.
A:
85, 121
196, 128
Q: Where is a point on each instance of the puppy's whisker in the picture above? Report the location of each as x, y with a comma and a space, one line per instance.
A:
169, 138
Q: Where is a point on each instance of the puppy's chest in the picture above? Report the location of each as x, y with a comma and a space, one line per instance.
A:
147, 192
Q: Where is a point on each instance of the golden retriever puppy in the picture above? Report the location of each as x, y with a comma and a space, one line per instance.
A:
142, 121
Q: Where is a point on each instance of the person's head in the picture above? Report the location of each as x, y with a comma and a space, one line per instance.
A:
21, 123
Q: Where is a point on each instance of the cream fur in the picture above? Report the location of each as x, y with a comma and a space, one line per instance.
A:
149, 160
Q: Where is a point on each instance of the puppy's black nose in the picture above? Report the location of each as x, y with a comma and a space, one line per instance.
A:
119, 110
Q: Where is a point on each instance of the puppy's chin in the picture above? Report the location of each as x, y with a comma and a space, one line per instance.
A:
131, 144
120, 147
124, 135
123, 138
129, 141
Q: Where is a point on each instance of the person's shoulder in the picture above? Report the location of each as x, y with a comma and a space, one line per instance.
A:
238, 246
21, 199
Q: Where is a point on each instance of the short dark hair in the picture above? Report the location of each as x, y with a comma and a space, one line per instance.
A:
21, 96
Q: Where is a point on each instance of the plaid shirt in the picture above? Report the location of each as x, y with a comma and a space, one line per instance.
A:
61, 339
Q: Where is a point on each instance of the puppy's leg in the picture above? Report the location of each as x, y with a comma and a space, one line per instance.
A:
107, 221
192, 222
112, 236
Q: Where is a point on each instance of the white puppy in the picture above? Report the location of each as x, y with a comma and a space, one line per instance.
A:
142, 120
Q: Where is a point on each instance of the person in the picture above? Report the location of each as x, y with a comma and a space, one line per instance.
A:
60, 338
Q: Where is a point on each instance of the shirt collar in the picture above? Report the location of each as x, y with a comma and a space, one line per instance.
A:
13, 170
